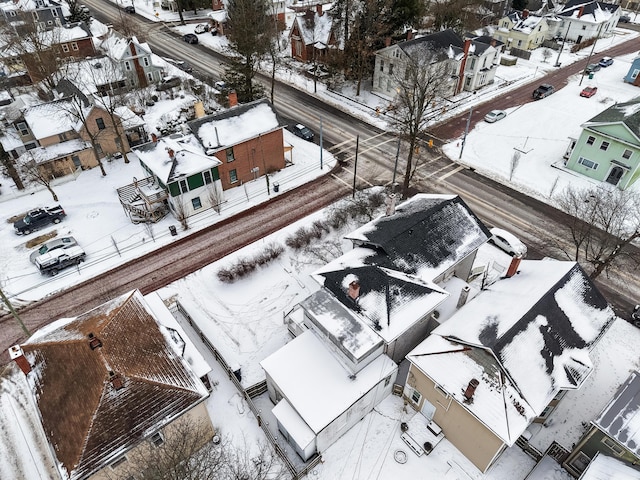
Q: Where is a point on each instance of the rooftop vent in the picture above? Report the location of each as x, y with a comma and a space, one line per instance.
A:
94, 342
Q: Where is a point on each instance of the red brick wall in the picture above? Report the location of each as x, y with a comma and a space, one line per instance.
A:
264, 152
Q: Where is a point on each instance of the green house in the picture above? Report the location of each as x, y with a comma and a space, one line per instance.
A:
608, 148
185, 172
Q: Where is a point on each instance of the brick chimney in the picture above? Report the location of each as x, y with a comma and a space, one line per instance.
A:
16, 354
410, 34
463, 64
354, 290
525, 13
513, 266
233, 98
116, 380
171, 153
581, 11
319, 9
471, 389
94, 342
387, 41
154, 137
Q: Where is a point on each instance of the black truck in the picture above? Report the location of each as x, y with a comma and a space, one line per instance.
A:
39, 218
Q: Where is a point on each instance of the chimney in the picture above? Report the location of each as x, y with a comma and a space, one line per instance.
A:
471, 389
319, 9
154, 138
16, 354
464, 294
94, 342
391, 204
115, 380
581, 11
354, 290
387, 41
525, 13
463, 64
233, 98
513, 266
171, 153
410, 34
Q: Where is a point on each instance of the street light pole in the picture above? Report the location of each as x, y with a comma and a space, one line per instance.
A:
562, 47
320, 143
466, 131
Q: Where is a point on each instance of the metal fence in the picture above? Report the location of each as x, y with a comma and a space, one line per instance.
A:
249, 393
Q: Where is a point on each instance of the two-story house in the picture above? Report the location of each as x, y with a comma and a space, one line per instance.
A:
375, 303
522, 30
135, 59
247, 140
446, 49
586, 20
608, 149
101, 387
47, 13
311, 35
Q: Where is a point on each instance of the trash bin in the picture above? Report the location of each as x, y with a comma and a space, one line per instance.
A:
276, 187
172, 229
591, 76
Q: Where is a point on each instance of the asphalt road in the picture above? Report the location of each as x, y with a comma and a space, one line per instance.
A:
535, 222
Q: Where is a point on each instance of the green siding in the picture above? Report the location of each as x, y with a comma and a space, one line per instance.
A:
215, 173
618, 131
174, 189
195, 181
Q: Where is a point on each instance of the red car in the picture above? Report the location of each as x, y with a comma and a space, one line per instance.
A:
588, 92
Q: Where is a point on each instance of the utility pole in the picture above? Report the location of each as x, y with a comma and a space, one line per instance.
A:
14, 313
591, 53
562, 47
355, 167
466, 131
395, 167
320, 143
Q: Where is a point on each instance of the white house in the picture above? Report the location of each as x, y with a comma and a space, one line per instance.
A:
585, 20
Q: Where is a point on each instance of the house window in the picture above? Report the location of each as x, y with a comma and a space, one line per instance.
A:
382, 65
441, 391
65, 48
580, 462
416, 396
230, 156
207, 177
157, 439
12, 14
54, 13
591, 140
31, 146
387, 380
74, 46
546, 412
391, 69
62, 137
584, 27
99, 149
627, 154
613, 446
604, 145
183, 186
196, 203
100, 123
118, 462
127, 66
588, 163
233, 176
35, 15
473, 62
145, 60
635, 74
22, 128
505, 24
150, 76
76, 161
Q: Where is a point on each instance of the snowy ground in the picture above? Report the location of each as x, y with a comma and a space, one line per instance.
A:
246, 317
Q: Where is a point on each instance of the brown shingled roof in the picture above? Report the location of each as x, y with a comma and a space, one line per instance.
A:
87, 420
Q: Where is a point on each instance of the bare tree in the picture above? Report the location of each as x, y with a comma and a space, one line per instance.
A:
241, 464
180, 212
421, 79
546, 54
32, 172
9, 168
515, 161
603, 223
215, 197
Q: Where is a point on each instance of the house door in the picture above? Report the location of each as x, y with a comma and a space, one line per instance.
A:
579, 40
615, 175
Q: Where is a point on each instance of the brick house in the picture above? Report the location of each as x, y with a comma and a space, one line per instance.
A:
312, 35
246, 139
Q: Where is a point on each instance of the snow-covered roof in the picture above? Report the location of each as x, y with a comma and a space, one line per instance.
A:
314, 382
589, 11
88, 74
424, 237
524, 339
524, 24
235, 125
314, 28
439, 43
620, 419
388, 302
117, 47
51, 152
627, 113
27, 5
128, 117
188, 158
96, 403
48, 119
603, 467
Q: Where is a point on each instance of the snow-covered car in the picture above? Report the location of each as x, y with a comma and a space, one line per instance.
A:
494, 116
53, 244
201, 28
190, 38
605, 62
507, 242
168, 83
303, 132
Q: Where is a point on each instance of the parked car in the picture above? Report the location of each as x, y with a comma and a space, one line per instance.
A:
201, 28
130, 9
605, 62
168, 83
53, 244
220, 85
542, 91
508, 242
624, 19
51, 263
39, 218
190, 38
494, 116
303, 132
588, 92
592, 68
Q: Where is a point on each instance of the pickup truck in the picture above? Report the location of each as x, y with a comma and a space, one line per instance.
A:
542, 91
39, 218
52, 262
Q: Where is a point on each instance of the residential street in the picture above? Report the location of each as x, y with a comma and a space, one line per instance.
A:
493, 203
